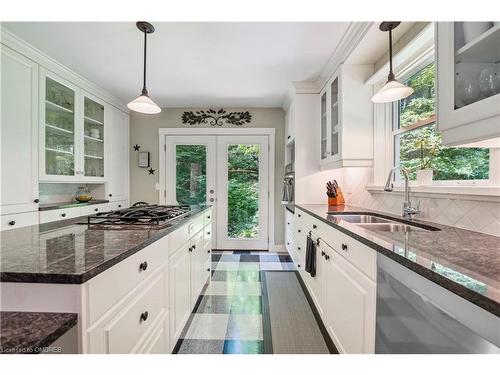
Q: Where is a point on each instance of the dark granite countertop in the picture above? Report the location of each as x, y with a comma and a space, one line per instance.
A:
67, 252
30, 332
466, 263
56, 206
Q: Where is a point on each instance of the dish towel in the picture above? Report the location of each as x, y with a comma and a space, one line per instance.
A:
311, 256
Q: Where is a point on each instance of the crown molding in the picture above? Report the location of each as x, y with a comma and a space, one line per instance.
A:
353, 35
24, 48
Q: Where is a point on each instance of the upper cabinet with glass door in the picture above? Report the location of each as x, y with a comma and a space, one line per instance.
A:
468, 57
71, 132
93, 139
347, 118
59, 129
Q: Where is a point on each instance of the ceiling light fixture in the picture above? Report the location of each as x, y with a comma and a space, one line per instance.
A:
392, 90
143, 103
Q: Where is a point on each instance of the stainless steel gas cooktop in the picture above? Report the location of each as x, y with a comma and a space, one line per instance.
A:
140, 214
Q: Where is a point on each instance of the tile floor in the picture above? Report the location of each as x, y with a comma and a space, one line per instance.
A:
227, 318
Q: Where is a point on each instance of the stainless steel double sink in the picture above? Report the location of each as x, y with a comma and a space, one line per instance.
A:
377, 223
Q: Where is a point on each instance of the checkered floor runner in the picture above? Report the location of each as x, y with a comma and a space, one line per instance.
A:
228, 316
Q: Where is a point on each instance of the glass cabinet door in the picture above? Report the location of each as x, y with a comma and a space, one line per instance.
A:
334, 103
324, 152
477, 61
93, 138
59, 129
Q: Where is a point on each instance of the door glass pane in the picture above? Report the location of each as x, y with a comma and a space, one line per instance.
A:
59, 129
243, 191
93, 135
477, 72
191, 174
323, 126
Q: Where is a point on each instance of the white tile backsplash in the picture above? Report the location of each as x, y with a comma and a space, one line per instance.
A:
480, 216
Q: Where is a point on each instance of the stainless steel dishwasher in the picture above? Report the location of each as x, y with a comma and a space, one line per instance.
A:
415, 315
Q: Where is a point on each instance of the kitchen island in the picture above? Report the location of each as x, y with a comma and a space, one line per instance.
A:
131, 288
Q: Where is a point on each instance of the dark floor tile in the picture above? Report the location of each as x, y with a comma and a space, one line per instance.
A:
216, 257
191, 346
246, 305
241, 251
285, 258
249, 258
243, 347
215, 305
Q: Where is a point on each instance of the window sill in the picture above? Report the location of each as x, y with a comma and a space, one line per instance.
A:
484, 193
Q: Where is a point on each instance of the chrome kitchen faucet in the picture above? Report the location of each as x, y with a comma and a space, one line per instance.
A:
408, 210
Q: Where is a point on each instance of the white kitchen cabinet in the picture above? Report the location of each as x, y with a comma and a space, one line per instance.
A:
346, 119
117, 143
19, 134
344, 288
198, 271
468, 84
72, 125
290, 124
350, 306
180, 290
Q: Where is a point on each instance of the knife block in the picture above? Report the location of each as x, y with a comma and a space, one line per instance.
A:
338, 200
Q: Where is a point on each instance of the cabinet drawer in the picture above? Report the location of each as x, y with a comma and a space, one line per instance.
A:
289, 218
125, 331
18, 220
60, 214
184, 233
207, 217
106, 289
113, 206
93, 209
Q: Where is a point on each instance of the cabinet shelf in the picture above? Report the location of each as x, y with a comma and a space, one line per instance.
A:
92, 138
57, 107
57, 128
93, 157
92, 121
58, 151
482, 49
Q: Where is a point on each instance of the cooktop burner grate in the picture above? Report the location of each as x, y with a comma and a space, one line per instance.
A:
140, 213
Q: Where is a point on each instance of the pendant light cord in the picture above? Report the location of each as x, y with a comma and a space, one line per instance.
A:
391, 74
144, 90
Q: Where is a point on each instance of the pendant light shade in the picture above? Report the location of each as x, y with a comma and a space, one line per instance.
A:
143, 103
393, 90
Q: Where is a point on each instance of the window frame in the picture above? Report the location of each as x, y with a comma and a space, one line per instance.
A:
394, 130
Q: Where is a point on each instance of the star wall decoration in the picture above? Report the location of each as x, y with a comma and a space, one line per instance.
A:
137, 147
151, 171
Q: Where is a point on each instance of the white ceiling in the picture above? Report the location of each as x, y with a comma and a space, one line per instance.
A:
190, 64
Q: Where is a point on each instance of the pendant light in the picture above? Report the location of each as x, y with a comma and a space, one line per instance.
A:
392, 90
143, 103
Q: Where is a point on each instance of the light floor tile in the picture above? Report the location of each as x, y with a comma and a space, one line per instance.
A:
247, 288
269, 258
249, 266
230, 258
227, 266
191, 346
244, 327
208, 327
220, 288
274, 266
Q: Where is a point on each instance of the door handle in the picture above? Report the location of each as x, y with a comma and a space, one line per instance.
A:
211, 199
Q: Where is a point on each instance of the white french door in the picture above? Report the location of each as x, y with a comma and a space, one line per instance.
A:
243, 189
230, 173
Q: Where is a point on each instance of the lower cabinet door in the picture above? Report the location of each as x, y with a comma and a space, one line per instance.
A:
350, 306
159, 342
317, 284
198, 274
180, 291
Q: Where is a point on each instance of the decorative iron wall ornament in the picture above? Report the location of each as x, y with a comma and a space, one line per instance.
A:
216, 118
